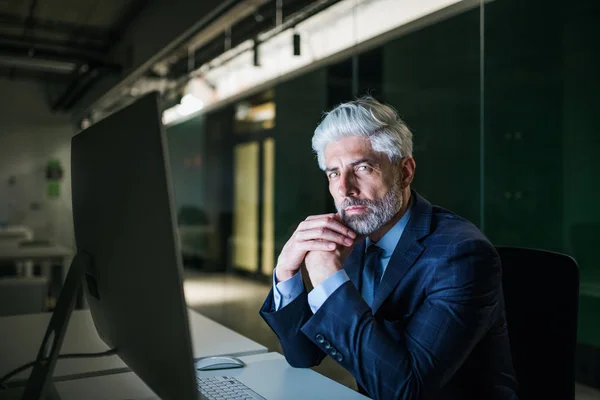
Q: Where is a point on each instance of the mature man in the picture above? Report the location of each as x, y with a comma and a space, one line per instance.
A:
407, 296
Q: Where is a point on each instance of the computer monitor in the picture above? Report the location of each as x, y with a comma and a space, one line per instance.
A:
124, 219
128, 261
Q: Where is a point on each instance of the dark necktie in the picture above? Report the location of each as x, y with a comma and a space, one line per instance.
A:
371, 274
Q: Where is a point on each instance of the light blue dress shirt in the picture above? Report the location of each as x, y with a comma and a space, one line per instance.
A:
285, 292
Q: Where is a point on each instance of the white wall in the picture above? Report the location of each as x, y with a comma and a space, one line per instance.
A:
30, 136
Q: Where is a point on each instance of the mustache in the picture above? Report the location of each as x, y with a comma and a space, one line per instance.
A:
351, 201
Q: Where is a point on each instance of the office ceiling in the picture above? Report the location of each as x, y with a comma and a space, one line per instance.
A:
262, 18
67, 43
62, 31
62, 41
235, 23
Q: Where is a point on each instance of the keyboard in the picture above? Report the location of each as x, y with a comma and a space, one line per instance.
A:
225, 387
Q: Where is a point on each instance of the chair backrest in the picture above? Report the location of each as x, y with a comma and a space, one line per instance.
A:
541, 294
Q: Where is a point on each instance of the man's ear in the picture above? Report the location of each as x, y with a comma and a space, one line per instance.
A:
407, 171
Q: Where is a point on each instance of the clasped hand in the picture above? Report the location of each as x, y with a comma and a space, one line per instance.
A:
322, 242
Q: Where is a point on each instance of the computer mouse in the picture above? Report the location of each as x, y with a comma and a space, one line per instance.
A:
221, 362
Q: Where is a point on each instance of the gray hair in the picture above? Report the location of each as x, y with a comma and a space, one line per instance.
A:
365, 117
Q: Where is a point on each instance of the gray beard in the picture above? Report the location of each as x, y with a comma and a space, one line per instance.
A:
379, 212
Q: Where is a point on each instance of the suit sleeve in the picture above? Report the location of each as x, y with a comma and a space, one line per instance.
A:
287, 323
462, 297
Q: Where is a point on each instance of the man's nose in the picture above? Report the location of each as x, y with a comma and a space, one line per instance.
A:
347, 186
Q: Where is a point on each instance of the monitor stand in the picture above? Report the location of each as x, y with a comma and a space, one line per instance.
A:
39, 385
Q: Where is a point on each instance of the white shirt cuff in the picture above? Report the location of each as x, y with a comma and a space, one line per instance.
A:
318, 295
285, 292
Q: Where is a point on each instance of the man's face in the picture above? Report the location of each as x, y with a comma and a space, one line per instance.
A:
364, 184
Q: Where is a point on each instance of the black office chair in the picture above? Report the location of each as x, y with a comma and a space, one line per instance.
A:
541, 294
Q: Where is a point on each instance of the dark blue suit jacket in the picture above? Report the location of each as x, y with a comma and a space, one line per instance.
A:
436, 330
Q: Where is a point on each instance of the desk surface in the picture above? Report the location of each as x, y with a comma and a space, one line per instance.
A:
19, 231
267, 374
21, 335
14, 252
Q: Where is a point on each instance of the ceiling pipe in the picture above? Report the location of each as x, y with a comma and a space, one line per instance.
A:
219, 26
37, 64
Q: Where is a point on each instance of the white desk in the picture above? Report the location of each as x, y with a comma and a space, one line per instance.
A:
37, 252
15, 234
44, 253
267, 374
21, 335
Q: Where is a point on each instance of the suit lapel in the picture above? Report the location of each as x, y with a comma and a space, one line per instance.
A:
407, 250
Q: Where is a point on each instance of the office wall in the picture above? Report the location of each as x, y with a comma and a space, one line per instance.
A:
30, 136
524, 191
431, 77
300, 186
219, 179
187, 157
581, 124
201, 169
581, 214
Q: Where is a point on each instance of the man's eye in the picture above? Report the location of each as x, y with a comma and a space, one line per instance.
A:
333, 175
363, 167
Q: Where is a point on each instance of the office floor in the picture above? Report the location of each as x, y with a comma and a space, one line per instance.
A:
234, 302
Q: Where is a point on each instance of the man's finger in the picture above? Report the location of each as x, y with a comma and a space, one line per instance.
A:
311, 217
318, 245
328, 222
324, 234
